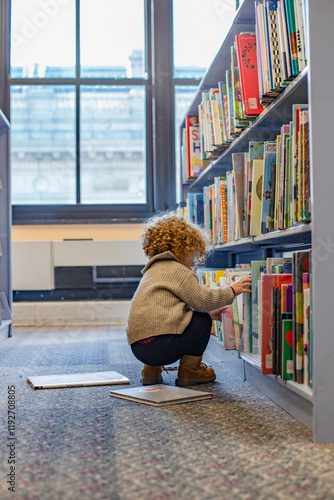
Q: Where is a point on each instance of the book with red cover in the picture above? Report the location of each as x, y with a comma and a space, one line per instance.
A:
267, 319
270, 339
247, 61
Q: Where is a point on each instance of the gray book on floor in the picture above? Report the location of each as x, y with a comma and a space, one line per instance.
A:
76, 380
160, 394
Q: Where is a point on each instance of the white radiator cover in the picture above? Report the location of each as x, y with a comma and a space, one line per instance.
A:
33, 262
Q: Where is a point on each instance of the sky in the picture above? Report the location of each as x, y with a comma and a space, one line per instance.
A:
43, 31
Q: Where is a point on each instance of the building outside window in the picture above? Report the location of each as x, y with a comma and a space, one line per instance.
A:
81, 96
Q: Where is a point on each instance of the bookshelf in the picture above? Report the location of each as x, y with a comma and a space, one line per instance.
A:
5, 232
312, 85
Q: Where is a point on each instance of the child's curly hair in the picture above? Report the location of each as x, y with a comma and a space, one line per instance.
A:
172, 232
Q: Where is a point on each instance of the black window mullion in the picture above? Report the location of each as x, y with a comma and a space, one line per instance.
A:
78, 145
163, 108
77, 102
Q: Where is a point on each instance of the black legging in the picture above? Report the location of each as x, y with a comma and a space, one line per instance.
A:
166, 349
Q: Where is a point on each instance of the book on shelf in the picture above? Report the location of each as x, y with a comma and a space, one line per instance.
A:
274, 320
256, 152
292, 34
262, 64
267, 189
301, 265
191, 160
247, 61
256, 203
281, 42
269, 160
238, 161
257, 268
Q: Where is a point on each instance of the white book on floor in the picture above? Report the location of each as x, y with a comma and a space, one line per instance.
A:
77, 380
160, 394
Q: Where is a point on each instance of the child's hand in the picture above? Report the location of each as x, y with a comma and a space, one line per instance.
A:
217, 314
243, 285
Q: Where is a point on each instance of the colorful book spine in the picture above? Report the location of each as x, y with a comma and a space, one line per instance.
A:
269, 159
194, 164
257, 268
256, 204
238, 161
301, 264
292, 35
273, 38
306, 333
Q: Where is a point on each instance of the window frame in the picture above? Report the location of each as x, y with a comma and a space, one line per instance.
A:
88, 213
160, 123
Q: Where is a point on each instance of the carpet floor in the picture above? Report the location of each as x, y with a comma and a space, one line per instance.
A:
79, 443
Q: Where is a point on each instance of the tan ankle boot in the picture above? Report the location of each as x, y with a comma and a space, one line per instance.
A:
192, 371
151, 375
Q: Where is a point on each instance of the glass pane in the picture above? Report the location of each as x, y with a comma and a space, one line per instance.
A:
42, 38
112, 38
199, 27
184, 96
43, 144
113, 139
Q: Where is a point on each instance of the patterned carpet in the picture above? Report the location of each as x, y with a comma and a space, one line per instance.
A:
82, 444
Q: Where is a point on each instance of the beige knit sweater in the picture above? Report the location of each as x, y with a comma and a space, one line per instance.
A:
166, 297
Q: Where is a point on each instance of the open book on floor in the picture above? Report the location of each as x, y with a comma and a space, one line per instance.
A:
77, 380
160, 394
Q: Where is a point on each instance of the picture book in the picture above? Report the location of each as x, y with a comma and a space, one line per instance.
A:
160, 395
257, 268
278, 281
247, 61
273, 42
287, 347
267, 322
292, 35
238, 161
228, 329
256, 151
193, 147
306, 333
256, 200
269, 159
62, 380
301, 265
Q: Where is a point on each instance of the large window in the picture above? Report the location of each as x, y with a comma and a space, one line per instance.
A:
199, 28
79, 103
86, 112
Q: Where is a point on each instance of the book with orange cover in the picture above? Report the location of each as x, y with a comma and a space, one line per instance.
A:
247, 61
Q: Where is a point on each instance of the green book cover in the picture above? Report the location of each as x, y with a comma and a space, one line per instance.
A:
257, 267
287, 346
